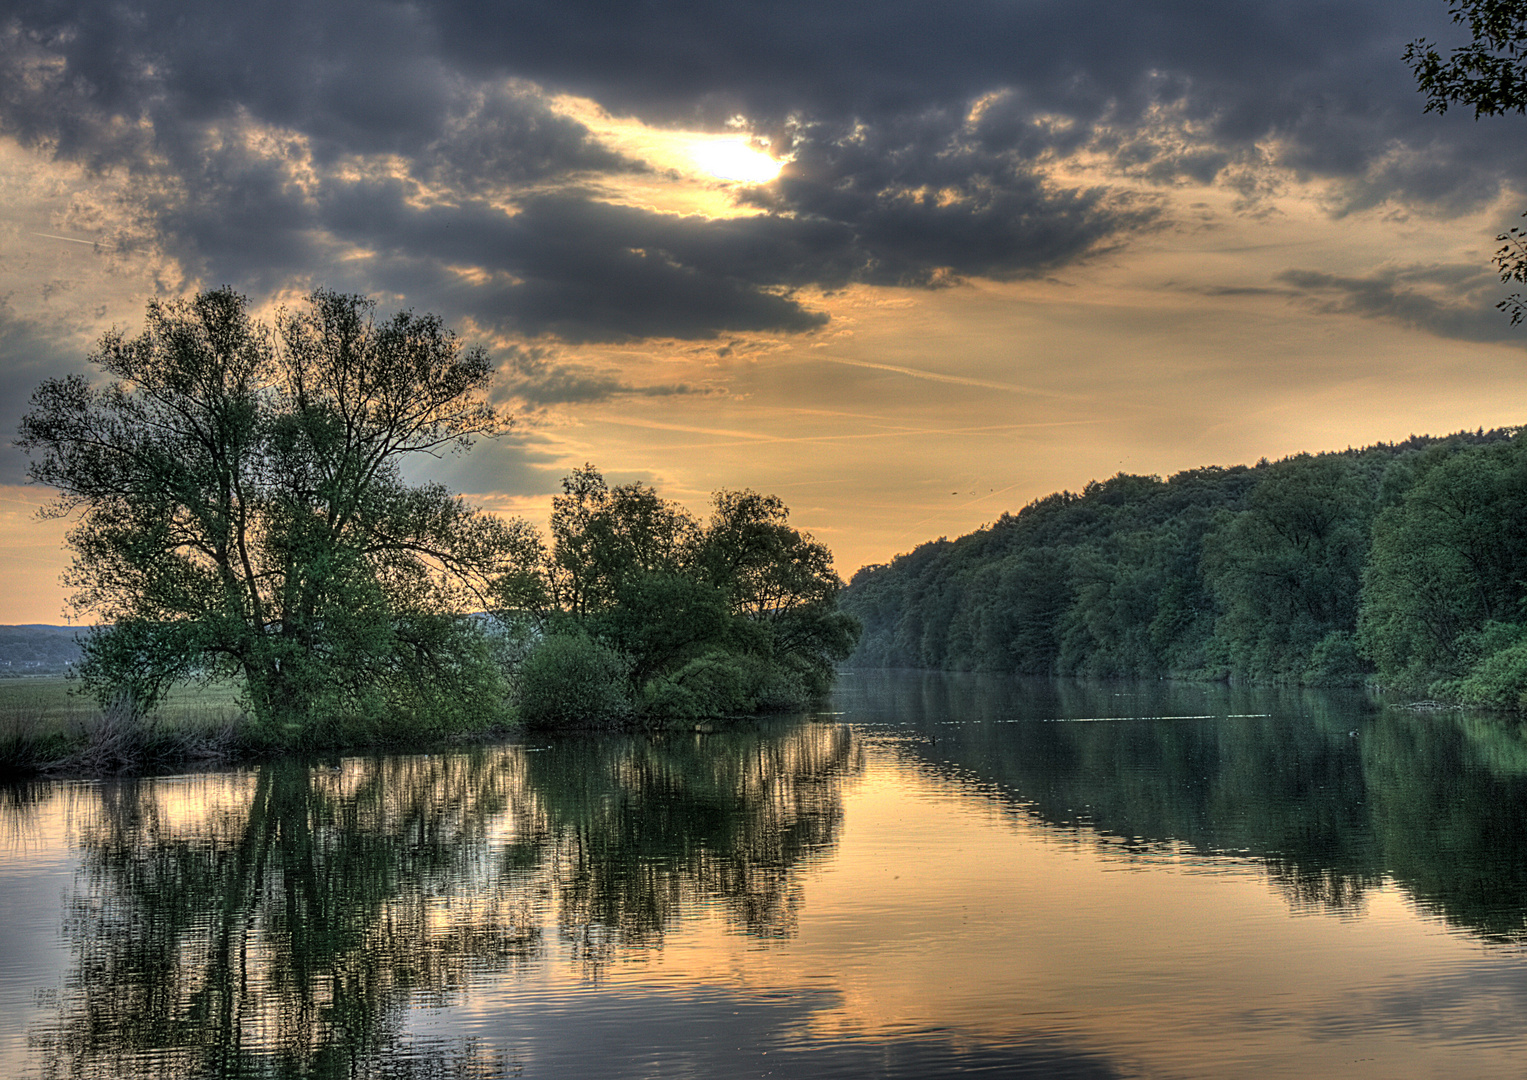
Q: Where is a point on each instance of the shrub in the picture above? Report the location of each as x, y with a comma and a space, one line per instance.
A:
722, 684
569, 680
1498, 679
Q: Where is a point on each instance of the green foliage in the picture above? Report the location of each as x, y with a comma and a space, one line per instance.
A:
243, 512
661, 621
732, 617
243, 515
1498, 679
1103, 583
723, 684
1336, 661
810, 641
604, 538
1393, 561
571, 680
1449, 558
1286, 571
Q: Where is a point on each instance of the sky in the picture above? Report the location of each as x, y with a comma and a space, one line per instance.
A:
907, 264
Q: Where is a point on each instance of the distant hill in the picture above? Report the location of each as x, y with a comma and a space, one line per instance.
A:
37, 649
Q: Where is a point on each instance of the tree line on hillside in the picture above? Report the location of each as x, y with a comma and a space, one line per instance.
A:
242, 513
1404, 564
37, 650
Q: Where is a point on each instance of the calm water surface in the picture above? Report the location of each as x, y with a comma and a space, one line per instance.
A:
942, 875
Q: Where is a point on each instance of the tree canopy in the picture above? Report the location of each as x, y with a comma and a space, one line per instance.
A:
243, 512
1401, 562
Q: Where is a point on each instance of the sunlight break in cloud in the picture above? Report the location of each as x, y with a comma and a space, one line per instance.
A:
735, 159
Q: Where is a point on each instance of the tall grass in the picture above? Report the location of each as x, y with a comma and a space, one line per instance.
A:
46, 727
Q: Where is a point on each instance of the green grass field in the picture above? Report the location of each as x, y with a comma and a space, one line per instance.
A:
53, 702
47, 720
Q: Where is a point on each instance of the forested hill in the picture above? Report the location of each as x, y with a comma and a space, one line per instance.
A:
1406, 561
36, 649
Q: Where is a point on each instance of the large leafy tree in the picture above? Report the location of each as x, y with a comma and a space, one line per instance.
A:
1489, 74
242, 510
777, 580
604, 539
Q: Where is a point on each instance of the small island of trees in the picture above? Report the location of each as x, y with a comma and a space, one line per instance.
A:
243, 516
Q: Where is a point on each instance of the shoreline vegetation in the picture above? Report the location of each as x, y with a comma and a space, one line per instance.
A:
636, 617
51, 728
1398, 566
244, 532
242, 518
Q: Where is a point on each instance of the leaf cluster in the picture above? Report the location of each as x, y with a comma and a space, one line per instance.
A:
1489, 73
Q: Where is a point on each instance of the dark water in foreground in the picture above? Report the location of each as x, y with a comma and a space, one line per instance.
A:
942, 876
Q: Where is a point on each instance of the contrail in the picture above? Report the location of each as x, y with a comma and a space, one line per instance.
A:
72, 240
749, 438
936, 376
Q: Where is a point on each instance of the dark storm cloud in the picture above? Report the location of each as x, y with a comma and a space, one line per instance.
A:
570, 265
109, 83
923, 137
577, 268
1324, 78
592, 270
1448, 301
919, 197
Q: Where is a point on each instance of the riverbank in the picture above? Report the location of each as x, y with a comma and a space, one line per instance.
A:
48, 729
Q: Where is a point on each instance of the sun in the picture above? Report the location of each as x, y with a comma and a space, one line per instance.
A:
735, 159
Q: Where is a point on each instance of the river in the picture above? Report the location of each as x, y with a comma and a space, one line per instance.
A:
937, 875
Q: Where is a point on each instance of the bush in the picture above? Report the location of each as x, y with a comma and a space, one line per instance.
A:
722, 684
569, 680
1498, 680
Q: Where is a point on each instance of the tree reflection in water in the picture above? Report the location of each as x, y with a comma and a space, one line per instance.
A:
648, 831
282, 922
1331, 794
